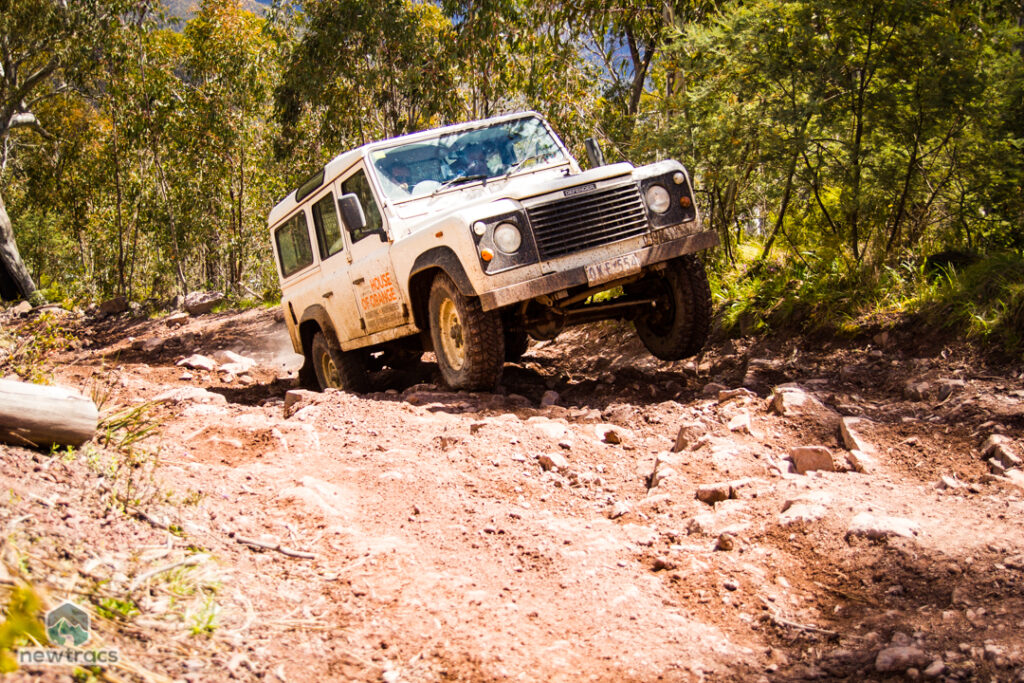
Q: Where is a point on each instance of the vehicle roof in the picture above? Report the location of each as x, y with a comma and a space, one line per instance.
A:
339, 164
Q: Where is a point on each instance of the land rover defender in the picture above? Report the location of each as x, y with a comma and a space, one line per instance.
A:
470, 239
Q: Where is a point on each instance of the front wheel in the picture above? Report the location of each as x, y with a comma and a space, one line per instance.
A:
677, 324
337, 369
469, 342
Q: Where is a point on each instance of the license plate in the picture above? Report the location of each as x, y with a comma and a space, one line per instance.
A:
612, 269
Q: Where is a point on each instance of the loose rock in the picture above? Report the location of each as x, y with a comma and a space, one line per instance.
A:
791, 399
875, 527
714, 493
807, 458
850, 438
553, 461
549, 398
198, 362
198, 303
899, 659
118, 304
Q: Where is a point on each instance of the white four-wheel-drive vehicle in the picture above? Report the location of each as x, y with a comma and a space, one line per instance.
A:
467, 240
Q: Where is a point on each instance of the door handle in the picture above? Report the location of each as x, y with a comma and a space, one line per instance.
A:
359, 281
328, 295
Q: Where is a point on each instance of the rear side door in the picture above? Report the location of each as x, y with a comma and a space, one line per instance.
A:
378, 296
335, 292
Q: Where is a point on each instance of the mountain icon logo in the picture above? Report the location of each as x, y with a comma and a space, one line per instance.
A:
67, 625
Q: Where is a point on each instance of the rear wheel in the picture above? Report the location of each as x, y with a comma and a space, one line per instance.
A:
469, 342
337, 369
677, 325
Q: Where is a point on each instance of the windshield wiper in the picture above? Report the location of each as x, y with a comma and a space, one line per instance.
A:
458, 180
516, 166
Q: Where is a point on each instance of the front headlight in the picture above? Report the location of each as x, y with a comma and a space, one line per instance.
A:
658, 199
508, 238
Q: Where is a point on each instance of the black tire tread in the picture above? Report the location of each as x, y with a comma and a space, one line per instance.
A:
352, 370
484, 332
688, 284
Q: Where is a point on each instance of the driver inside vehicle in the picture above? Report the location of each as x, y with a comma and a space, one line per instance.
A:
399, 174
476, 160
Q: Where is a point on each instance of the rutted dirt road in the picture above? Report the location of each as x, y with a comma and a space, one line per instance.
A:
603, 516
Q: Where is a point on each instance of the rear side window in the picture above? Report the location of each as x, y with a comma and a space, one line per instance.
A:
328, 228
358, 185
293, 246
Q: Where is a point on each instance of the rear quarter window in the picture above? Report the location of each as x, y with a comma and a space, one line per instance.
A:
293, 248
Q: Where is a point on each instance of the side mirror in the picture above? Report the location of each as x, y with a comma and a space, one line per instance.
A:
594, 153
352, 213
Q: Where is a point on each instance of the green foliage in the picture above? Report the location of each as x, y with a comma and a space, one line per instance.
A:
21, 626
985, 300
24, 351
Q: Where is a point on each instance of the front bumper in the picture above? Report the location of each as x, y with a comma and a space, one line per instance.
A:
572, 277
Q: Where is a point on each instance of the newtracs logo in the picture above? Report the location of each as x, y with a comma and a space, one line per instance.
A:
67, 625
67, 628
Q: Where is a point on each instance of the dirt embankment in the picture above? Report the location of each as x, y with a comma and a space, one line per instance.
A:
603, 516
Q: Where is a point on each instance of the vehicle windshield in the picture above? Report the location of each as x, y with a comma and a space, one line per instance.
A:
423, 168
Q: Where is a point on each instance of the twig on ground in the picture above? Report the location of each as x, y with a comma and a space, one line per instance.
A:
290, 552
190, 561
792, 624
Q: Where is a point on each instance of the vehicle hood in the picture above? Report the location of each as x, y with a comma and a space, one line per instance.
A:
480, 201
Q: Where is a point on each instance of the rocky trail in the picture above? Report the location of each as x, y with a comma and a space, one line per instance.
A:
773, 510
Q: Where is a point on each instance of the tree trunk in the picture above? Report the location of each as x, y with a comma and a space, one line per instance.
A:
39, 416
10, 260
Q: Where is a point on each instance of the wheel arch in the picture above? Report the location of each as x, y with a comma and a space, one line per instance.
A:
424, 269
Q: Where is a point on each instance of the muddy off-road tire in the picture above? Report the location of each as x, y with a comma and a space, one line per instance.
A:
516, 344
469, 342
337, 369
677, 325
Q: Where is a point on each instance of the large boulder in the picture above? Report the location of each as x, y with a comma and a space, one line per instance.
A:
198, 303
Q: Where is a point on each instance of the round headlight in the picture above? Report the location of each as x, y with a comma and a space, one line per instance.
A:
678, 178
479, 228
658, 199
507, 238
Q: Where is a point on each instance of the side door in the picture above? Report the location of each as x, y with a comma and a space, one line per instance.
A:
336, 293
378, 296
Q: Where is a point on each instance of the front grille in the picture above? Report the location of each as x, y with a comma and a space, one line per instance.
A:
588, 220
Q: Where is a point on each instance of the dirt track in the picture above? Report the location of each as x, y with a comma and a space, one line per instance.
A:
465, 536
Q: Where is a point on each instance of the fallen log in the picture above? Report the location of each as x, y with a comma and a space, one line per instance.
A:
39, 416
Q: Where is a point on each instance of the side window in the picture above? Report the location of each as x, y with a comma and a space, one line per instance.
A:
358, 185
293, 246
328, 228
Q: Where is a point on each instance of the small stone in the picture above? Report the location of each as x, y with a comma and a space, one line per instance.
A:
742, 423
791, 399
620, 509
725, 542
688, 434
609, 433
935, 669
553, 461
294, 397
185, 376
850, 438
712, 388
807, 458
731, 584
714, 493
862, 462
916, 390
21, 309
999, 448
198, 362
899, 659
176, 319
549, 398
948, 482
663, 563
